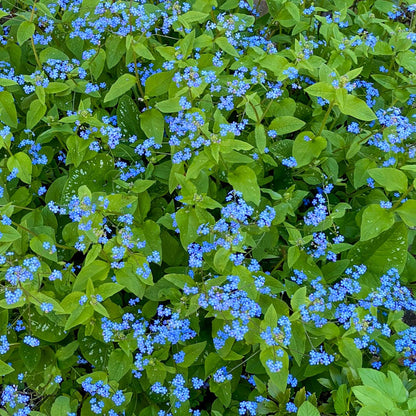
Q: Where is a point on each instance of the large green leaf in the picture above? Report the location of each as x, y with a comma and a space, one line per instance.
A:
407, 212
355, 107
307, 147
244, 179
390, 179
152, 123
8, 113
286, 124
21, 161
25, 31
120, 87
308, 409
383, 252
91, 173
375, 220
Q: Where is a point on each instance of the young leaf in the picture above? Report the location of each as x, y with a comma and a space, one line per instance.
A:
121, 86
25, 31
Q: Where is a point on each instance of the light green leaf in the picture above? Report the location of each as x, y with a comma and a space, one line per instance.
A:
407, 212
36, 244
36, 111
307, 147
387, 250
349, 350
260, 136
142, 51
81, 314
322, 89
152, 123
226, 46
371, 396
390, 179
25, 31
308, 409
5, 368
244, 179
375, 220
61, 406
158, 84
8, 113
97, 270
118, 364
121, 86
286, 124
21, 161
192, 352
355, 107
8, 234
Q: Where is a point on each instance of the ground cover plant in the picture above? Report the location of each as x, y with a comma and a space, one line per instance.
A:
207, 207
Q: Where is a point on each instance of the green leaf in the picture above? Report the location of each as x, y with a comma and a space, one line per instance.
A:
115, 49
36, 111
341, 400
226, 46
142, 185
390, 179
188, 224
5, 368
260, 136
36, 244
120, 87
355, 107
97, 63
77, 148
179, 280
80, 315
127, 277
407, 212
350, 351
169, 106
386, 81
25, 31
49, 328
142, 51
307, 147
244, 179
222, 391
322, 89
152, 123
371, 396
128, 115
192, 352
375, 220
158, 84
270, 317
380, 254
52, 53
308, 409
274, 63
8, 113
298, 298
61, 406
21, 161
286, 124
391, 385
119, 364
97, 270
361, 169
88, 174
8, 234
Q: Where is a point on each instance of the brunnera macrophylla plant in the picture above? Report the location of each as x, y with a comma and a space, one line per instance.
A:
207, 207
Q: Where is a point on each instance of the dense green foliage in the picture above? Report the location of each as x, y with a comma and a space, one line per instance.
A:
207, 210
